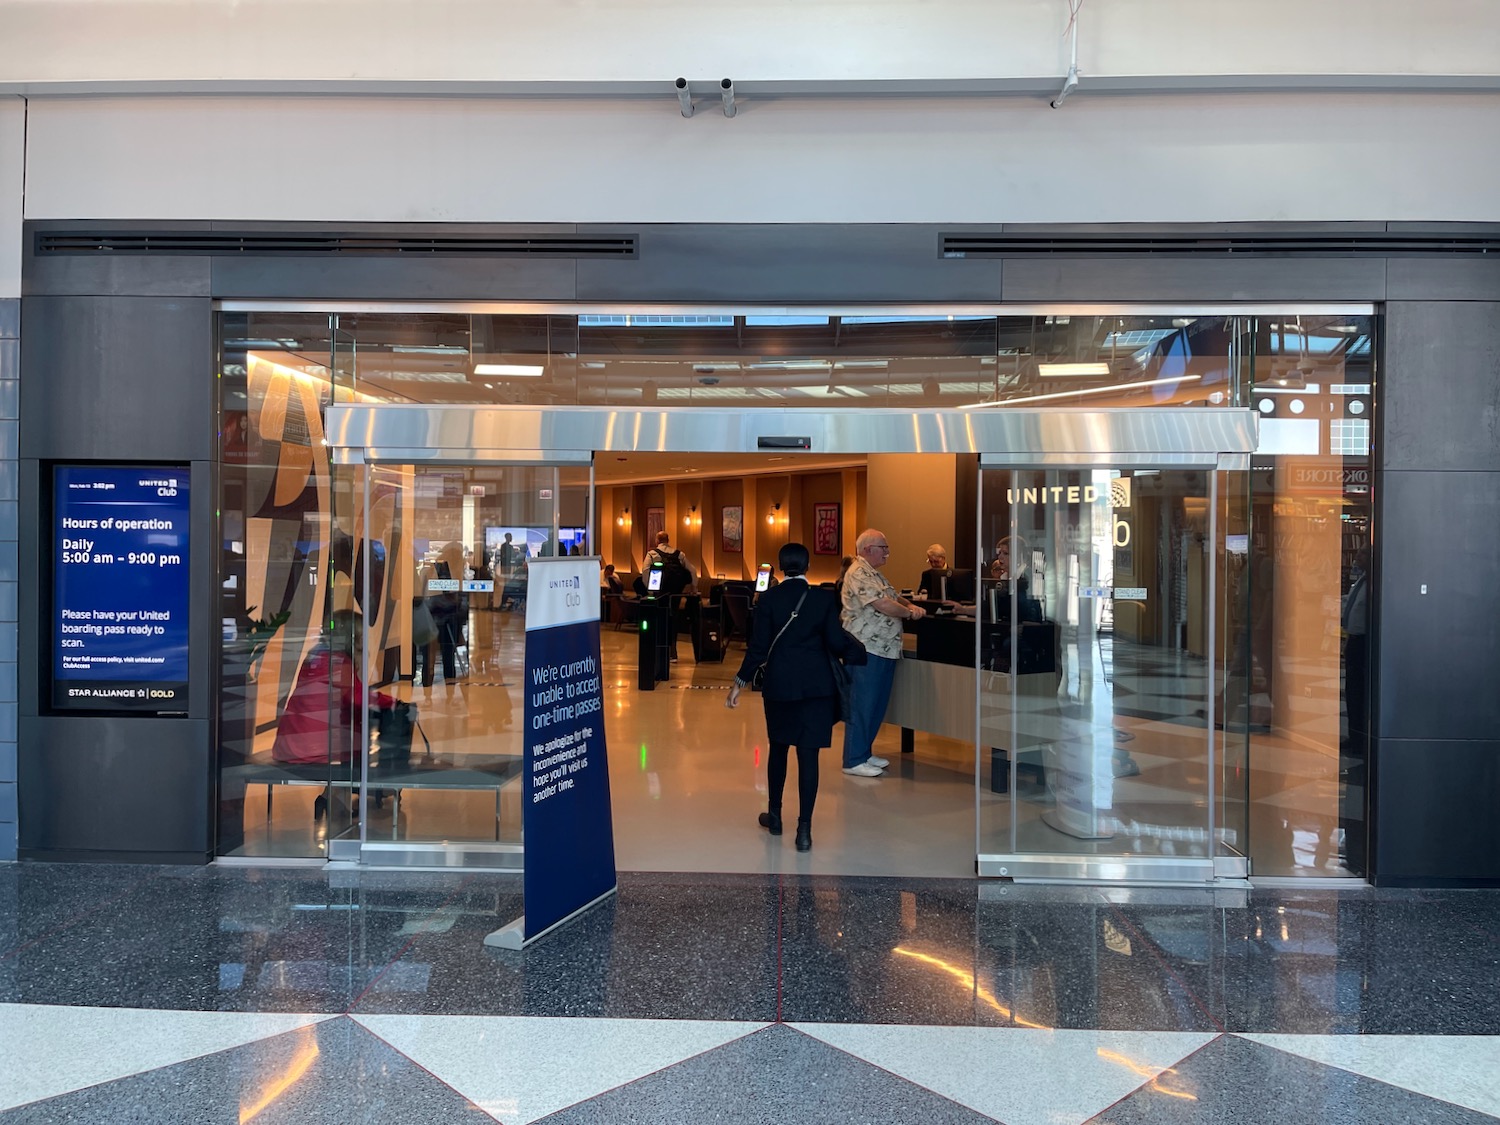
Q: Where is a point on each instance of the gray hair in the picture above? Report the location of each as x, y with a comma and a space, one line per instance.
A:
866, 538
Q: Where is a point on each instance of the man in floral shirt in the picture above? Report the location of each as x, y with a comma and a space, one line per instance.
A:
873, 612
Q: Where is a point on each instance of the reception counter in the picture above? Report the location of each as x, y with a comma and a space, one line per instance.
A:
940, 689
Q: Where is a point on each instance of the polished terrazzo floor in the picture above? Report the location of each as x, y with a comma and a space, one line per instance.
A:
318, 995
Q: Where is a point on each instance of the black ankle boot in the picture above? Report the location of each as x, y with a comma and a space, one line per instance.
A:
771, 822
804, 836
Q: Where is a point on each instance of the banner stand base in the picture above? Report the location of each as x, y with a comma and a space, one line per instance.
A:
513, 935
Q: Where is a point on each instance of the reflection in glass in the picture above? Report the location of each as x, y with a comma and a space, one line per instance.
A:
808, 359
279, 571
1281, 657
1094, 674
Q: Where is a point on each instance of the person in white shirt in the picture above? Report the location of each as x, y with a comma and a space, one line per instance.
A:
872, 612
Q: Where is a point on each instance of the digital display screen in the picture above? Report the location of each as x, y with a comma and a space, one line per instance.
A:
763, 579
120, 588
653, 579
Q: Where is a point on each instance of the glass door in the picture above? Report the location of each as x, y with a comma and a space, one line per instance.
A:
1098, 644
447, 564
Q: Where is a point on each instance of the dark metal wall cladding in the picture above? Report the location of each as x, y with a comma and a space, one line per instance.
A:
1439, 655
1437, 764
117, 377
774, 264
94, 785
1444, 412
1435, 812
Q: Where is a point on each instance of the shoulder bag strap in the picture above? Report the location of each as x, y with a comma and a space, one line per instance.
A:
796, 610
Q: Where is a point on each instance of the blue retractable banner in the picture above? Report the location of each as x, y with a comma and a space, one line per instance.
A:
120, 588
566, 821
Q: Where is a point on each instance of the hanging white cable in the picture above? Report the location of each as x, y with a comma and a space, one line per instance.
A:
1071, 81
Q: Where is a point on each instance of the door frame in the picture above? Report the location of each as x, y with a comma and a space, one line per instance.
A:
1105, 868
1212, 438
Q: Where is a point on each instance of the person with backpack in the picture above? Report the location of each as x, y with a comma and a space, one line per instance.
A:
678, 579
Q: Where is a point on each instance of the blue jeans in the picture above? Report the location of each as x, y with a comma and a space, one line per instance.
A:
869, 693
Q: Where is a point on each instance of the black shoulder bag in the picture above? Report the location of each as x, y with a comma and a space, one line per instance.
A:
758, 677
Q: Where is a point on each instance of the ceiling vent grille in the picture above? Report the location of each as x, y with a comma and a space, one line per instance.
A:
189, 243
1001, 245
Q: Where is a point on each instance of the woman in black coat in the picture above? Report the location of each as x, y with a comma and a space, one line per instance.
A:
800, 696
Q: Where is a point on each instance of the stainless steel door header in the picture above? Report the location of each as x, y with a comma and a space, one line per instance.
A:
1182, 436
647, 308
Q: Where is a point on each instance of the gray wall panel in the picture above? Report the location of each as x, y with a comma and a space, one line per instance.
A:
1451, 832
778, 264
127, 378
405, 278
10, 319
1194, 280
1439, 651
126, 275
10, 355
98, 784
1443, 279
1440, 399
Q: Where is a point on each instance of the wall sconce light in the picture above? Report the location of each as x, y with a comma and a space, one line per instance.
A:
771, 515
623, 518
691, 517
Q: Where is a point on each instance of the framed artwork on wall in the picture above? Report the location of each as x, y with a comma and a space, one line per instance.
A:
827, 531
732, 529
656, 520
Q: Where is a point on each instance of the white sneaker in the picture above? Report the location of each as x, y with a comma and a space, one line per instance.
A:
864, 769
878, 763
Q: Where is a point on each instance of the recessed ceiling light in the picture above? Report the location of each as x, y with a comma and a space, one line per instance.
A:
1060, 370
516, 370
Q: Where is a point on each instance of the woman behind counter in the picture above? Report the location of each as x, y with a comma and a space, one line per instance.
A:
798, 626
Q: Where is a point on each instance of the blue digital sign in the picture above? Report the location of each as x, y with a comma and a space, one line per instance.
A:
120, 588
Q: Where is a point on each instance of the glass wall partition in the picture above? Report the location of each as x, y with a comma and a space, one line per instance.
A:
287, 564
1097, 650
1289, 703
450, 546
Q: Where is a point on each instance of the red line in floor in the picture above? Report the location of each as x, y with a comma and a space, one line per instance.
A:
402, 952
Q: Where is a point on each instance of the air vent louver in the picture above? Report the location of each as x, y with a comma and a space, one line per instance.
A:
188, 243
985, 245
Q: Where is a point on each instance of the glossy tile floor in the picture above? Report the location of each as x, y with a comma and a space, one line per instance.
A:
315, 995
688, 777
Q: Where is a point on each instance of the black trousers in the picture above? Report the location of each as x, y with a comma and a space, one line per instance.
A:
807, 778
